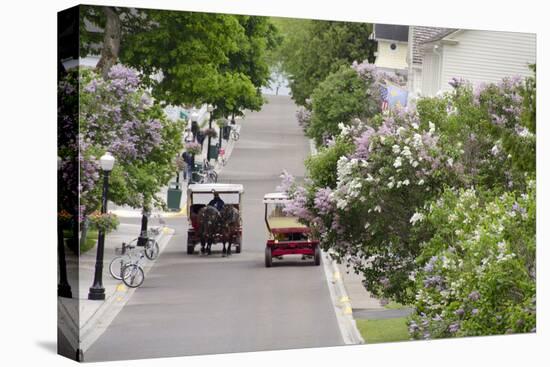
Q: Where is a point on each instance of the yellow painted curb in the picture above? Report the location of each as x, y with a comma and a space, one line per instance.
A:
121, 288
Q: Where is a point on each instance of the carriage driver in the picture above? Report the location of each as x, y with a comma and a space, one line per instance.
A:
217, 202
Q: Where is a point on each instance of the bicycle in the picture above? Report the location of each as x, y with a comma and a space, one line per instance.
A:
118, 263
208, 174
234, 134
126, 255
132, 273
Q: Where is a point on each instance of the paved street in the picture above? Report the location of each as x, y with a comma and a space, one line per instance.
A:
192, 304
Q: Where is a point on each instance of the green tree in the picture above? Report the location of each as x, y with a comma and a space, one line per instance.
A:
312, 49
342, 96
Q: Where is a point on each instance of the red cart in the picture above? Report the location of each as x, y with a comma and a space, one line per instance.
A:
287, 236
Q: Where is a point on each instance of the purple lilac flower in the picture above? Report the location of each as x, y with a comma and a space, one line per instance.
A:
362, 144
323, 201
475, 311
459, 312
453, 328
474, 296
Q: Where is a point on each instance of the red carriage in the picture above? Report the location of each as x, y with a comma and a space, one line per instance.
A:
287, 236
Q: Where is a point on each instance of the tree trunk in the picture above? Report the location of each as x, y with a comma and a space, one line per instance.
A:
111, 41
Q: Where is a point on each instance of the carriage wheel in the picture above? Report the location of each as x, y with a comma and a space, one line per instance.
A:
268, 257
317, 256
190, 249
239, 246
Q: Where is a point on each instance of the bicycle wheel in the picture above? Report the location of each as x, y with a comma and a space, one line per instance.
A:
116, 265
132, 275
152, 249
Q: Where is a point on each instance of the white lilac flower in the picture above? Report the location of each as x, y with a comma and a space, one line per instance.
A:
432, 127
450, 162
397, 162
406, 182
417, 140
390, 185
417, 217
421, 182
395, 149
414, 164
400, 129
378, 209
495, 150
415, 125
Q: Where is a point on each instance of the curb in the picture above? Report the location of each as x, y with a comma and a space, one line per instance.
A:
101, 319
341, 302
338, 294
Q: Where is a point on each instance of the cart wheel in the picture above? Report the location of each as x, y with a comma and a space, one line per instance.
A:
190, 249
268, 257
317, 256
239, 246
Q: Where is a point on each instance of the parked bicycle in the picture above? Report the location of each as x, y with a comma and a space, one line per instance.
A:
132, 273
234, 134
127, 254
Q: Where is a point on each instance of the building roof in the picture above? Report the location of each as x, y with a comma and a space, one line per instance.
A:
391, 32
422, 35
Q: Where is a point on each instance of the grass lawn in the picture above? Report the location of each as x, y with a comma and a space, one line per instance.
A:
380, 331
91, 239
394, 305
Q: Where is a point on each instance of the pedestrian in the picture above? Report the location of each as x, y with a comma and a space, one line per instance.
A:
189, 160
194, 129
200, 137
188, 135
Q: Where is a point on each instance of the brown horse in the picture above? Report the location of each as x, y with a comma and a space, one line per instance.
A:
209, 227
230, 224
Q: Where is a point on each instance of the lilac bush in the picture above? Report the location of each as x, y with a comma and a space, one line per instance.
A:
117, 114
477, 269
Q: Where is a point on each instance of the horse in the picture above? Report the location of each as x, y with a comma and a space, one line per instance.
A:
230, 224
209, 227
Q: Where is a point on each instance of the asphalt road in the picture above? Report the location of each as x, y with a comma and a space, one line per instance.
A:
192, 304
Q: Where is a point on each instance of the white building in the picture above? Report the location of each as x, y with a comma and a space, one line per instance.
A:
437, 55
392, 51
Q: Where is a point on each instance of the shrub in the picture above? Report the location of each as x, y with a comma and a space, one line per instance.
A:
477, 270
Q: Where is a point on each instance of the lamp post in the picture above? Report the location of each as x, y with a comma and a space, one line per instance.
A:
63, 287
210, 109
97, 292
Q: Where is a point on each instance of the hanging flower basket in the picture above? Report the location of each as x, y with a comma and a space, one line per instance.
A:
210, 132
193, 148
107, 222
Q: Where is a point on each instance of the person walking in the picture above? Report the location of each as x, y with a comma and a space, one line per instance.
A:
189, 160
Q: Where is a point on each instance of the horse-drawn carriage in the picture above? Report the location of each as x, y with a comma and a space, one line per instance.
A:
287, 236
208, 225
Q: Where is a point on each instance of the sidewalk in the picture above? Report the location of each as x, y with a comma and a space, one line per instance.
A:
82, 319
85, 320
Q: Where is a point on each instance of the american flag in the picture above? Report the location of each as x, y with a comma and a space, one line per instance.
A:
384, 96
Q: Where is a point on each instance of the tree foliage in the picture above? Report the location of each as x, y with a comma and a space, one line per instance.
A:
191, 57
312, 49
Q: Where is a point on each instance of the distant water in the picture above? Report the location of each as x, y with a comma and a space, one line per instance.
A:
280, 81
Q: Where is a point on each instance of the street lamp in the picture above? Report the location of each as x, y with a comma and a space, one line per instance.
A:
97, 292
210, 109
63, 287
